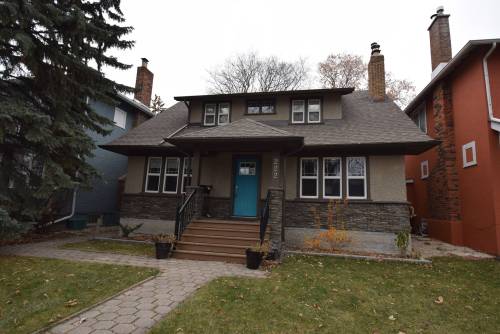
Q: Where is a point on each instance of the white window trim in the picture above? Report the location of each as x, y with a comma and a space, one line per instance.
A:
470, 145
303, 112
205, 114
124, 113
425, 164
309, 177
152, 174
320, 107
325, 177
184, 173
219, 114
165, 174
356, 177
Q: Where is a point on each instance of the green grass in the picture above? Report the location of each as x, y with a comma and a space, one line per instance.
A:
327, 295
128, 248
34, 291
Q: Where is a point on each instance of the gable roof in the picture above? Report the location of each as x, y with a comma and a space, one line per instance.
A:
136, 104
459, 58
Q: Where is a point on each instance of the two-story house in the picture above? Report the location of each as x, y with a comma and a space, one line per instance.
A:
104, 196
283, 155
455, 187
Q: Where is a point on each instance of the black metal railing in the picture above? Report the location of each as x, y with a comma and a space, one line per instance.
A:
185, 212
264, 218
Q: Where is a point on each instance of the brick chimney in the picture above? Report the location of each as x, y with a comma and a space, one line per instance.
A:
376, 74
144, 83
439, 35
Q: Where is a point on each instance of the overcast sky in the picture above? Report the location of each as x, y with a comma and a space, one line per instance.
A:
184, 39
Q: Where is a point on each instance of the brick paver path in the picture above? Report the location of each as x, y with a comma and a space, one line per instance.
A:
138, 309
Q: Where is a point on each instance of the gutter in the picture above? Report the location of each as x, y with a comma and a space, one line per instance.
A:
491, 116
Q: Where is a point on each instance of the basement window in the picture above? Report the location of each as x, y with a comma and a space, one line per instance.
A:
469, 154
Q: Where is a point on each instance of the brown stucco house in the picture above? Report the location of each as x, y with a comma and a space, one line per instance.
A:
248, 158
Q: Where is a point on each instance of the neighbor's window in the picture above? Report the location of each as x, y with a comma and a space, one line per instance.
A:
210, 111
171, 175
469, 154
313, 111
309, 177
356, 177
420, 118
332, 177
187, 174
424, 169
298, 111
260, 107
153, 175
120, 118
223, 113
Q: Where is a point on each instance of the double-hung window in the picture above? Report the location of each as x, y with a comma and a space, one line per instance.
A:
187, 174
356, 177
309, 177
171, 176
298, 111
120, 118
153, 175
216, 114
313, 111
332, 177
420, 118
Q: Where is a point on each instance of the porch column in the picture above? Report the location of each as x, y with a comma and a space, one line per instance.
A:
276, 203
195, 169
276, 176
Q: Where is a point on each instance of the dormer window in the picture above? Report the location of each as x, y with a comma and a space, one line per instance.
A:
306, 111
260, 107
216, 114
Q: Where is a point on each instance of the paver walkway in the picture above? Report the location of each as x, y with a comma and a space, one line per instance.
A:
138, 309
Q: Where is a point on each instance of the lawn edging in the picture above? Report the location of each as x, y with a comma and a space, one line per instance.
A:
360, 257
88, 308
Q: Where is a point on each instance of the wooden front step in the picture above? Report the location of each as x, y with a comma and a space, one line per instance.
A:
209, 256
214, 248
217, 239
225, 232
228, 224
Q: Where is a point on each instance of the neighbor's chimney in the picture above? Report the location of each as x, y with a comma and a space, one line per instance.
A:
376, 74
144, 83
439, 35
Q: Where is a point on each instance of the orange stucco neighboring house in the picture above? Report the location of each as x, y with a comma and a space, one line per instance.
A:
455, 187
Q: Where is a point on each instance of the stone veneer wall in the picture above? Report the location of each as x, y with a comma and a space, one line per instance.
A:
358, 216
149, 206
218, 207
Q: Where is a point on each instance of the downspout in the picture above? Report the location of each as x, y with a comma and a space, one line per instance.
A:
491, 116
73, 206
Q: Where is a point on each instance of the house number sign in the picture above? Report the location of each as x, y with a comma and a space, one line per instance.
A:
276, 168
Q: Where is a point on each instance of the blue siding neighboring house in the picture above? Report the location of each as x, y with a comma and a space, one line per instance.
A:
104, 196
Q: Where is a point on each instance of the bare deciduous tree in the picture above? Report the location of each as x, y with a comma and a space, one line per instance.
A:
250, 73
347, 70
342, 71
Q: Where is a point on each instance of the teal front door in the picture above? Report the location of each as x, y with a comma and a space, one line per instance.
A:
246, 187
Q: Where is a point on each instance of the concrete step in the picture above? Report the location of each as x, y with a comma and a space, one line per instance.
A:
227, 232
209, 256
220, 239
214, 248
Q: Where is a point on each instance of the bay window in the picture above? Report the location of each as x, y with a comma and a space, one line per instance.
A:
332, 177
309, 177
356, 177
153, 175
171, 176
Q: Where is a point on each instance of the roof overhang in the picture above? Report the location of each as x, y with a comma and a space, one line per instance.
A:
137, 104
409, 148
129, 150
305, 92
459, 58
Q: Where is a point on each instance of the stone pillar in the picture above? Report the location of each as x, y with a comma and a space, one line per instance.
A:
275, 170
275, 222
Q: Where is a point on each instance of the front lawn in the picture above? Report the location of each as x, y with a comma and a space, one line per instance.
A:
327, 295
109, 246
36, 292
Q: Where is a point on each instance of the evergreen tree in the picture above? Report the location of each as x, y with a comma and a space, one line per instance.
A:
51, 56
157, 105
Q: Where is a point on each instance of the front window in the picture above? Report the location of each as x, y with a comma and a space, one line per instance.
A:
153, 175
332, 177
298, 111
356, 177
309, 177
187, 174
171, 175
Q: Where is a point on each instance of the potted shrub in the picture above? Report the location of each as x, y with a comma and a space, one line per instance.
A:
255, 255
163, 245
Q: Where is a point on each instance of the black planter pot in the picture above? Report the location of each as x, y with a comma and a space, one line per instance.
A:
162, 249
253, 259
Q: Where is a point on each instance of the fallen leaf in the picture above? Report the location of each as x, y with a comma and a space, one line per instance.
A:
71, 302
392, 318
439, 300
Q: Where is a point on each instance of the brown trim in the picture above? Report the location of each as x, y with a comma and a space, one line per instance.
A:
260, 102
306, 110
